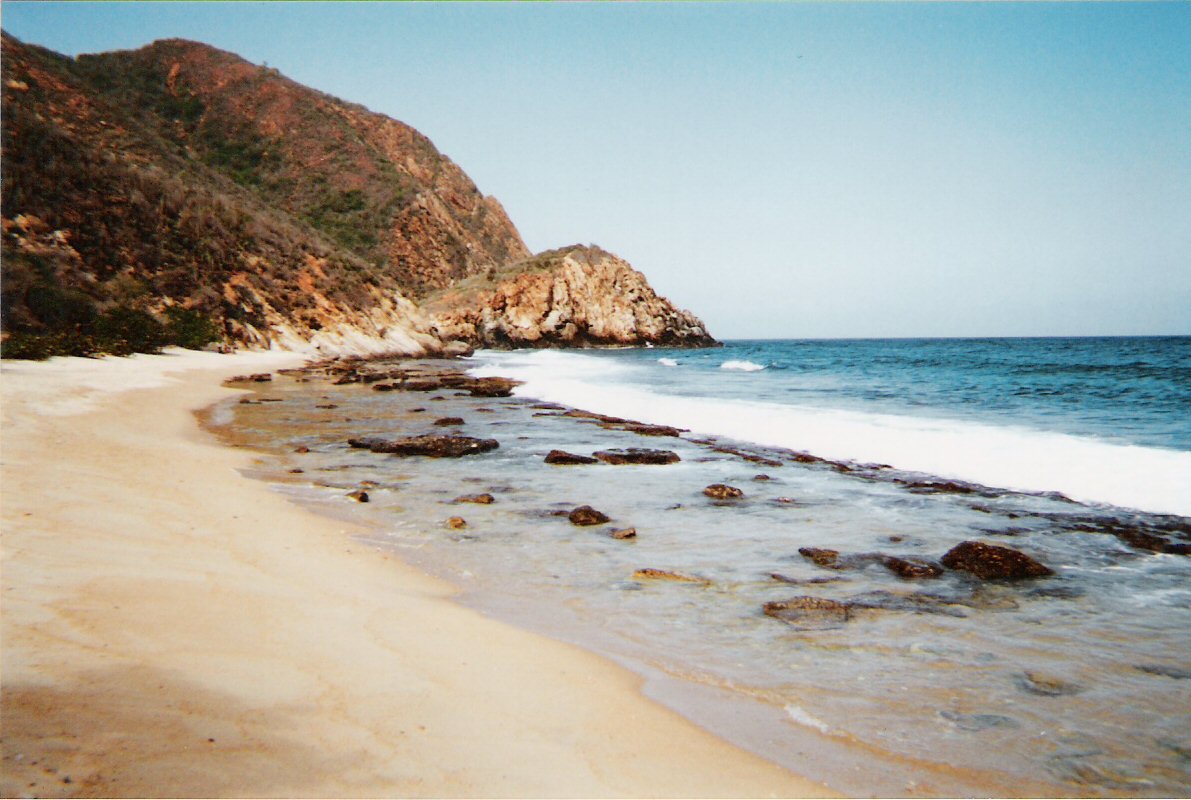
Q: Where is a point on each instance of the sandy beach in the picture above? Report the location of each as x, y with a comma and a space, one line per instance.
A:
172, 628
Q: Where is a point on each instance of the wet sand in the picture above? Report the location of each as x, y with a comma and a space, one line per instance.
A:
171, 628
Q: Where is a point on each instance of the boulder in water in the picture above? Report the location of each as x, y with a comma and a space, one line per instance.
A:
637, 455
992, 562
721, 491
586, 515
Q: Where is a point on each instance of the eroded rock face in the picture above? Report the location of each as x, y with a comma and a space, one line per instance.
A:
992, 562
430, 445
572, 297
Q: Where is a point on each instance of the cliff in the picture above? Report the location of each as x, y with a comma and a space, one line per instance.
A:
178, 193
571, 297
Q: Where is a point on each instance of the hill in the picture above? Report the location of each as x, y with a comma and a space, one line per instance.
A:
180, 193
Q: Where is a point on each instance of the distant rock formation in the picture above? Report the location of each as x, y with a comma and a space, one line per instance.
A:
570, 297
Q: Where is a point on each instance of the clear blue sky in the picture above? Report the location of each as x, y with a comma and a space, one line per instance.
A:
783, 170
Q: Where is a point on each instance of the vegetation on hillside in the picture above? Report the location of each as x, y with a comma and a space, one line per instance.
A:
177, 192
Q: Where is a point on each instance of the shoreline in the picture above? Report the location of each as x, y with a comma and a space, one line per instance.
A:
206, 636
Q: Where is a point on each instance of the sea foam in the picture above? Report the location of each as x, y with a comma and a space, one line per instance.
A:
1009, 457
742, 366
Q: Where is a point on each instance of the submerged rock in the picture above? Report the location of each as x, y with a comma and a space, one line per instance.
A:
636, 455
456, 523
978, 722
1046, 685
642, 429
563, 457
721, 491
915, 603
481, 499
586, 515
911, 569
777, 576
447, 421
809, 613
652, 574
623, 533
992, 562
821, 556
1166, 671
431, 445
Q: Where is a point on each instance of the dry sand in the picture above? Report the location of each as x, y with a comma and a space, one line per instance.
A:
171, 628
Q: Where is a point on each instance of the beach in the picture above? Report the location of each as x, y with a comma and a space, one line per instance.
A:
172, 628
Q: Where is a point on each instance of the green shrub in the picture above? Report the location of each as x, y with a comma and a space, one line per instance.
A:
122, 331
190, 329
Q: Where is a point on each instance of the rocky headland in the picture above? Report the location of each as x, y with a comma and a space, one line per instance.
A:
178, 194
570, 297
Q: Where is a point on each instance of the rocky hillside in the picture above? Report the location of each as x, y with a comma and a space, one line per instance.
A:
571, 297
178, 193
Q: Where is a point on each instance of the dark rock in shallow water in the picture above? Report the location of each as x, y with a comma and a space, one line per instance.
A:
777, 576
360, 496
762, 477
579, 414
259, 377
491, 387
430, 445
821, 556
641, 429
809, 613
721, 491
979, 722
445, 421
563, 457
1046, 685
916, 603
1143, 540
652, 574
635, 455
991, 562
586, 515
911, 568
1178, 673
456, 523
623, 533
481, 499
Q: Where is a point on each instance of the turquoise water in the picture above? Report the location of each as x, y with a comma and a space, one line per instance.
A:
1103, 420
1074, 684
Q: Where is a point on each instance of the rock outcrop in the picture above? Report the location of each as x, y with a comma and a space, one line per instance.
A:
571, 297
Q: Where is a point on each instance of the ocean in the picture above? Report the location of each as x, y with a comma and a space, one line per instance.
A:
1076, 452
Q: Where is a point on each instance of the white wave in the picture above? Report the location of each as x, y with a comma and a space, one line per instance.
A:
1009, 457
743, 366
667, 362
803, 718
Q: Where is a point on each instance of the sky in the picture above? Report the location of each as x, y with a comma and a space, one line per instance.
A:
784, 170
